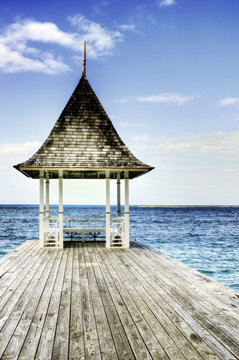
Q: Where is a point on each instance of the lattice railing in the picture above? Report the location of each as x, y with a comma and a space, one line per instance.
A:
83, 223
117, 231
51, 231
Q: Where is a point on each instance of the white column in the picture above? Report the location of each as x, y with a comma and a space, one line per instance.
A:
126, 208
118, 195
47, 194
41, 209
60, 211
107, 214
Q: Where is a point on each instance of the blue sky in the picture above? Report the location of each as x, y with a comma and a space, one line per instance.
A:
166, 72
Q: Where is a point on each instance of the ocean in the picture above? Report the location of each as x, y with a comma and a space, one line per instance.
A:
204, 238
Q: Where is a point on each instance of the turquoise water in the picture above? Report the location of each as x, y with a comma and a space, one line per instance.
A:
204, 238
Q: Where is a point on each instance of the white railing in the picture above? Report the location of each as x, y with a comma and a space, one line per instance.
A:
117, 231
84, 222
51, 231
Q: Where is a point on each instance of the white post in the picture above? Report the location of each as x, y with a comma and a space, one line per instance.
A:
47, 195
107, 214
126, 209
41, 209
60, 211
118, 195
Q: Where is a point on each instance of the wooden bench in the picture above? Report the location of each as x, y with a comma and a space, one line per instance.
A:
83, 231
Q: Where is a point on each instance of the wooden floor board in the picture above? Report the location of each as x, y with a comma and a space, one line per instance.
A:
20, 303
224, 298
9, 258
130, 300
203, 311
164, 308
21, 284
91, 340
76, 348
20, 334
174, 341
118, 313
107, 346
8, 268
86, 302
46, 343
33, 334
230, 315
160, 281
61, 343
21, 267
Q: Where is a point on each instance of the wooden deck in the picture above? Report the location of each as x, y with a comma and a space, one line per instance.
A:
86, 302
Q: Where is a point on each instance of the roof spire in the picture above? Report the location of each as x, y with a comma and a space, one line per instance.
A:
84, 61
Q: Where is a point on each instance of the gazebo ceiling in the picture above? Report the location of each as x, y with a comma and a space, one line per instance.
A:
83, 143
82, 173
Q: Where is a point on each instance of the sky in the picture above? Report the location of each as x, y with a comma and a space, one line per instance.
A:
165, 71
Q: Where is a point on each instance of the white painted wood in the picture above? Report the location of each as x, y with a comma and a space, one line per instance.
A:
41, 210
118, 195
107, 215
126, 208
60, 211
47, 195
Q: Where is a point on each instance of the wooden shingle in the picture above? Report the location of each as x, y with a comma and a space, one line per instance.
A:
83, 143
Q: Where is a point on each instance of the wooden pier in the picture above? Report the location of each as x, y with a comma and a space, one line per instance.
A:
89, 302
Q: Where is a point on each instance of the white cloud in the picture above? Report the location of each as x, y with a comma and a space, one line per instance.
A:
229, 170
228, 101
99, 7
127, 27
13, 61
19, 50
166, 98
141, 138
164, 3
133, 124
100, 40
15, 149
215, 142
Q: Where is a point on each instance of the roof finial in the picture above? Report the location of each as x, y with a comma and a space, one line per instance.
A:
84, 61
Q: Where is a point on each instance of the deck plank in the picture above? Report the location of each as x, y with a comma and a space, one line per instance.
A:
76, 348
8, 270
86, 302
118, 289
211, 309
18, 287
164, 309
21, 303
172, 341
61, 343
46, 343
42, 289
117, 314
107, 347
205, 293
91, 340
9, 258
214, 335
33, 335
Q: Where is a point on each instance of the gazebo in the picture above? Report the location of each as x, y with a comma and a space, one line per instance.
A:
83, 144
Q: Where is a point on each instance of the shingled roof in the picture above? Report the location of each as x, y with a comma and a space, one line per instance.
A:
83, 143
